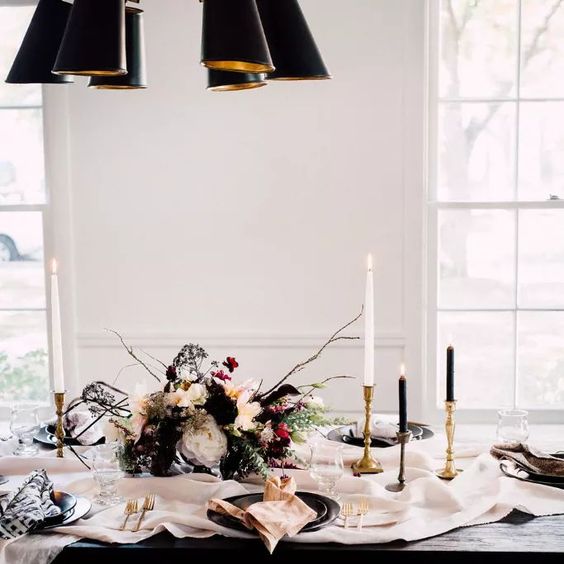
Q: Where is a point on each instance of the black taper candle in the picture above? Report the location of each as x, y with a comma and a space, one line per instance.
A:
402, 404
450, 374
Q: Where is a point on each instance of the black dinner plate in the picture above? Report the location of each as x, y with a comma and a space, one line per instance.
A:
46, 436
65, 502
513, 470
326, 508
345, 435
81, 508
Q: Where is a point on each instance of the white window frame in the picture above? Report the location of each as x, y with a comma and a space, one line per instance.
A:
548, 415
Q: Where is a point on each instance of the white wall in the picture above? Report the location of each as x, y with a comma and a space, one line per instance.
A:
242, 220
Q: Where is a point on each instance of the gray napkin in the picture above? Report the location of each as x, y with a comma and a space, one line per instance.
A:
529, 459
28, 507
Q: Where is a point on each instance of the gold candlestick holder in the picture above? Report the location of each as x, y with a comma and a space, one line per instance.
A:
367, 464
449, 471
59, 429
403, 439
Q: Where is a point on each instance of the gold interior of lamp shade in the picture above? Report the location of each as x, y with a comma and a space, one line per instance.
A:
321, 77
119, 72
238, 66
115, 87
243, 86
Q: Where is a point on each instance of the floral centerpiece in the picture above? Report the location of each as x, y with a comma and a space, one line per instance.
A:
208, 418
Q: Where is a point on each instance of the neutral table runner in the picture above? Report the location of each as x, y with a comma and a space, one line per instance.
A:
427, 507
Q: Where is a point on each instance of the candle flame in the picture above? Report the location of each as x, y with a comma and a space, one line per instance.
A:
369, 261
54, 266
402, 369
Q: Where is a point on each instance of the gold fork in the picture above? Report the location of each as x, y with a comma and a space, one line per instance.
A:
130, 509
148, 505
362, 511
347, 511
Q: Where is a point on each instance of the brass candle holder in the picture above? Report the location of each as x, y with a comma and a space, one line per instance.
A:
449, 471
59, 429
367, 464
403, 439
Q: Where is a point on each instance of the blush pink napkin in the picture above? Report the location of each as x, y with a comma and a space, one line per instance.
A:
280, 513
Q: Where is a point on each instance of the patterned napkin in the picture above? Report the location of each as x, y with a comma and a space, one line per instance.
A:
28, 507
530, 459
280, 513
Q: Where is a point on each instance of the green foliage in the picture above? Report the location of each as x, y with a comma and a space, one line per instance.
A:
26, 378
243, 458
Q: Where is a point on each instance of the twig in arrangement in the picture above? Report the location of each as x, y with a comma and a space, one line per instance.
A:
103, 414
333, 339
79, 456
321, 384
122, 369
131, 353
155, 359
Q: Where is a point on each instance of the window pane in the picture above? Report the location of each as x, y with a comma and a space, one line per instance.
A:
483, 358
476, 259
13, 25
542, 58
541, 147
476, 152
541, 359
478, 56
541, 258
22, 282
24, 373
22, 170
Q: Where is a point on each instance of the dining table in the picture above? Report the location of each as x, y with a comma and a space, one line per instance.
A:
516, 534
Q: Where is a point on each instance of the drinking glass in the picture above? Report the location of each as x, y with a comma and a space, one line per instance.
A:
24, 424
512, 426
326, 467
107, 472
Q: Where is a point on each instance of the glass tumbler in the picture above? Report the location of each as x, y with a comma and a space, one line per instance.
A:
512, 426
326, 467
24, 424
107, 473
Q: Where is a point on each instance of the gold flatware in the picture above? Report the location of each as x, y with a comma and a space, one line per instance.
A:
362, 511
148, 505
130, 509
347, 511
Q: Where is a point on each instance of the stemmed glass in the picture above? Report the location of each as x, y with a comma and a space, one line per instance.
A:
326, 467
107, 472
24, 424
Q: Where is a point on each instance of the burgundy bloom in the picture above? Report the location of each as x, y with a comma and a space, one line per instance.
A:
220, 375
230, 363
171, 373
282, 432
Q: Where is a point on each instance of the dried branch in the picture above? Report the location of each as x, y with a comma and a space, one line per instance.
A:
333, 339
131, 353
321, 384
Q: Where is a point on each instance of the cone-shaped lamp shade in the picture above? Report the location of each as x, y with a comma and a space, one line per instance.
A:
38, 50
136, 76
225, 81
233, 38
94, 40
293, 49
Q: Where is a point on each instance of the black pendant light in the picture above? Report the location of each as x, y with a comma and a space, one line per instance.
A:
136, 76
39, 48
225, 81
291, 43
233, 38
94, 40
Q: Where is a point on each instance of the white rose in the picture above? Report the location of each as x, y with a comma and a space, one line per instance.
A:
205, 445
197, 394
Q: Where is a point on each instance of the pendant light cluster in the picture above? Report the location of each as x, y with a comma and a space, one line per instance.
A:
245, 44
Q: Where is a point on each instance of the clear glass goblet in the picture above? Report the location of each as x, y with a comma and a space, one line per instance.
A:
326, 467
512, 426
107, 472
24, 424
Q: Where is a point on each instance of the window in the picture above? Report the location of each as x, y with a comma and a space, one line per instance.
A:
24, 372
496, 200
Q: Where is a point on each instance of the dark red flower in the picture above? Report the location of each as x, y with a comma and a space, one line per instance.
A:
282, 431
171, 373
220, 375
230, 363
